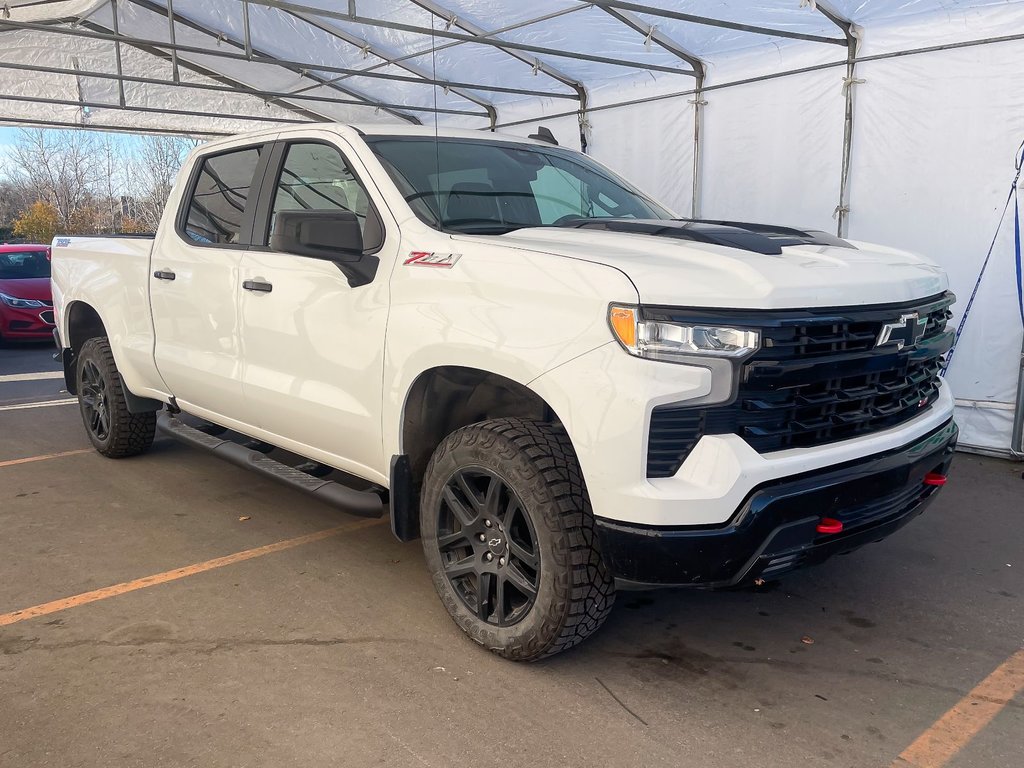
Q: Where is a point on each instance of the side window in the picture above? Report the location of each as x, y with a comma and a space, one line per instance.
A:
315, 177
217, 205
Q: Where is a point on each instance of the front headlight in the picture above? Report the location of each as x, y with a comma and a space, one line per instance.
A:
11, 301
677, 342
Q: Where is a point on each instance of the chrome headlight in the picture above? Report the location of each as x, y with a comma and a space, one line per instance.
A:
11, 301
678, 342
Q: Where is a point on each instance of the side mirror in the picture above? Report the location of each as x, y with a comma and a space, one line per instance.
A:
329, 235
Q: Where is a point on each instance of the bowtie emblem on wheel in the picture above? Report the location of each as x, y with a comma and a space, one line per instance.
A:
905, 332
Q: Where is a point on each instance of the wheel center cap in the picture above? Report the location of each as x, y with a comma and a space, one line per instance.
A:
496, 543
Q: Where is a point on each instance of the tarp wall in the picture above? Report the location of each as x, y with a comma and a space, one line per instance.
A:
935, 135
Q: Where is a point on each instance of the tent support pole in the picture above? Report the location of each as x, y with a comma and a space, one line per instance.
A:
653, 35
699, 102
175, 74
1017, 433
846, 26
246, 30
117, 54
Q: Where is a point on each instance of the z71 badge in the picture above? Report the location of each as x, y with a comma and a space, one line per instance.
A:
426, 259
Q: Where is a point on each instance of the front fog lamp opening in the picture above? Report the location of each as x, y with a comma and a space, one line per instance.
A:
657, 340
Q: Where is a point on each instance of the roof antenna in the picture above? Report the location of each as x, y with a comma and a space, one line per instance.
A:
544, 134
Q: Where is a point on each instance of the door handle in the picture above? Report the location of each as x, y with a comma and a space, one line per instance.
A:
258, 286
163, 274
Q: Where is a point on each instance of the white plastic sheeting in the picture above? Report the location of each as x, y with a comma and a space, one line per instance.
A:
933, 137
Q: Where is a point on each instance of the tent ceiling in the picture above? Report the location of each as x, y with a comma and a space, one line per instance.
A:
219, 66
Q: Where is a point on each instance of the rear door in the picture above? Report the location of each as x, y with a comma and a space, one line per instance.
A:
195, 286
313, 345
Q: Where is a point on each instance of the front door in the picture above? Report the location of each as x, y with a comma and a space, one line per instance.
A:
194, 283
312, 345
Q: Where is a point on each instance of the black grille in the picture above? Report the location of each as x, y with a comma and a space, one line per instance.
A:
818, 378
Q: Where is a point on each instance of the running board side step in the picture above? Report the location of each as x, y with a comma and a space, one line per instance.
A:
361, 503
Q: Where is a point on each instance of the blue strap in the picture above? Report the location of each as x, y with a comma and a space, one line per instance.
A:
1010, 197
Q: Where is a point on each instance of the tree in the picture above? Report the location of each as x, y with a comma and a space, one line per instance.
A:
39, 223
63, 167
156, 165
15, 198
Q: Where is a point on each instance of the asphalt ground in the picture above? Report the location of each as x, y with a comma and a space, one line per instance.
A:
332, 649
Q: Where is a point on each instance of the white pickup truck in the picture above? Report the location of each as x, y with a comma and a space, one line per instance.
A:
557, 384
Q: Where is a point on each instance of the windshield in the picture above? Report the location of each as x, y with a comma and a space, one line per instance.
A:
24, 264
486, 187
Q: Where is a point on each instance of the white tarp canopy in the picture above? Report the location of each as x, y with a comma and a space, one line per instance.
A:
895, 121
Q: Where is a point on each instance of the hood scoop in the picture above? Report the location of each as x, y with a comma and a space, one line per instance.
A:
758, 238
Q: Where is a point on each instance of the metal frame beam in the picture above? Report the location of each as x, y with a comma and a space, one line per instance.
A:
709, 22
660, 38
175, 48
302, 71
363, 45
34, 123
159, 45
788, 73
144, 110
228, 86
176, 65
471, 38
478, 33
519, 25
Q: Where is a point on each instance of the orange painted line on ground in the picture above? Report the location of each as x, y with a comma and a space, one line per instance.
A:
952, 732
44, 457
178, 573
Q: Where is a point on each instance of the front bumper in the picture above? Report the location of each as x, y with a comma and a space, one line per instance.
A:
774, 530
27, 324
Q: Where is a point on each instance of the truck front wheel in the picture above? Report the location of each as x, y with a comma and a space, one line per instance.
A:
509, 539
113, 429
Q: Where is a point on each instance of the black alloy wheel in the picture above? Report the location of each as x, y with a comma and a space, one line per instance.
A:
112, 428
488, 546
509, 538
93, 398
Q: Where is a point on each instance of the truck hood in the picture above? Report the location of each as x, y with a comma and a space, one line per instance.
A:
686, 273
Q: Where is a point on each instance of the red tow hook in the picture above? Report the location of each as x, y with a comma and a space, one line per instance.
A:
830, 525
934, 478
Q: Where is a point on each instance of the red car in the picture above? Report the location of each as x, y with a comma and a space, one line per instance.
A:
26, 304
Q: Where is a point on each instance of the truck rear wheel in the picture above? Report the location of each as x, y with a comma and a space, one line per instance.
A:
113, 430
509, 539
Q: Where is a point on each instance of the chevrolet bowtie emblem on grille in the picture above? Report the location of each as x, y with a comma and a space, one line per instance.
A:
905, 332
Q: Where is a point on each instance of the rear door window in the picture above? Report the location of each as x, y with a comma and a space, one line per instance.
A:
217, 205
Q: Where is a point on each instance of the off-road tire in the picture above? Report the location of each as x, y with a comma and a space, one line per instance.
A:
575, 590
127, 434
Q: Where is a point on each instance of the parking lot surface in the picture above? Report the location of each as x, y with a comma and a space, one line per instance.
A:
264, 643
